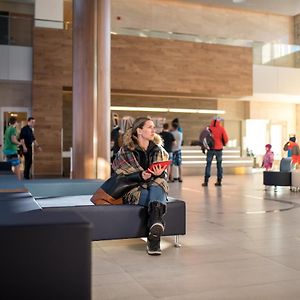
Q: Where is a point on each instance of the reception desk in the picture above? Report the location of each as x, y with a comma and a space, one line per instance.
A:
194, 161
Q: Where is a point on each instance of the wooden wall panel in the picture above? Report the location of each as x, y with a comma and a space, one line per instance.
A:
51, 71
67, 58
177, 67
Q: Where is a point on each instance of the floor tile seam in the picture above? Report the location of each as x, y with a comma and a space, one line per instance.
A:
280, 263
269, 257
139, 283
269, 282
243, 286
255, 252
105, 273
230, 287
124, 284
214, 262
128, 273
252, 240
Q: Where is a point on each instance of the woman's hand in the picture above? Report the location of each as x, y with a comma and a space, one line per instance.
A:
146, 175
157, 170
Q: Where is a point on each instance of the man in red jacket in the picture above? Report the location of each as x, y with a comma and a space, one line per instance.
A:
220, 139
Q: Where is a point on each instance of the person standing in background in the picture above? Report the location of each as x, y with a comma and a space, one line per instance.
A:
169, 141
176, 149
220, 140
11, 144
293, 151
176, 120
29, 139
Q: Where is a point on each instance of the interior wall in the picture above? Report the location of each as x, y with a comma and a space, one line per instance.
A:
15, 93
191, 124
15, 7
177, 16
298, 122
52, 70
167, 66
236, 113
235, 110
284, 113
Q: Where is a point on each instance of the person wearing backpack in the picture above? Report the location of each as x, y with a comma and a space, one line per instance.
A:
206, 140
220, 138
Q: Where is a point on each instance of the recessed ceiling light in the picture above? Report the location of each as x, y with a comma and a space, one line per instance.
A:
238, 1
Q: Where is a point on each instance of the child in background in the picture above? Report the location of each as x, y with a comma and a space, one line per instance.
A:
268, 158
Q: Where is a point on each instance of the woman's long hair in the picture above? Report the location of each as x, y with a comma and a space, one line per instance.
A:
131, 136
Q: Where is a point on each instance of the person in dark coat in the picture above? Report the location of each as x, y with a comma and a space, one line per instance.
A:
29, 139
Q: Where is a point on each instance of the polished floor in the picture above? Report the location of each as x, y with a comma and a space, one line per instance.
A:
242, 242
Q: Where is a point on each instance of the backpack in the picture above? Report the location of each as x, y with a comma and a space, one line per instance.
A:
206, 139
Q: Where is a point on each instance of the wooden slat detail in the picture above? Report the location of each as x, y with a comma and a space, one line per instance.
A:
152, 64
52, 69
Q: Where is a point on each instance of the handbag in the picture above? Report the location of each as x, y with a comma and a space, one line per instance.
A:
113, 189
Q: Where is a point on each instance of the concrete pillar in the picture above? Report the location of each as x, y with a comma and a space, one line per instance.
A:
91, 88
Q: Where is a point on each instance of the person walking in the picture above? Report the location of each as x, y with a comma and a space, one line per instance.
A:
220, 140
11, 145
28, 137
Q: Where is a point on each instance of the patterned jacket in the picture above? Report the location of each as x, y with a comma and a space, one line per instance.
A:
132, 160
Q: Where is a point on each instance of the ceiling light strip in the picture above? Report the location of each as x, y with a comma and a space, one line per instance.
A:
161, 109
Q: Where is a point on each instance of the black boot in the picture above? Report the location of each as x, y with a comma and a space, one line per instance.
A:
219, 182
205, 183
156, 227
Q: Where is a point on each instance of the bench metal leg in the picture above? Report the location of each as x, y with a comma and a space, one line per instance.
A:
177, 244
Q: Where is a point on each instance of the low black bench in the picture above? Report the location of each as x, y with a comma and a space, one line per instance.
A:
279, 178
44, 255
46, 252
108, 221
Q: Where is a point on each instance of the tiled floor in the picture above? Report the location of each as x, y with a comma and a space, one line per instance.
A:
242, 243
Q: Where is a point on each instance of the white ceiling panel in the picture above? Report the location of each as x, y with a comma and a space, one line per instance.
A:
282, 7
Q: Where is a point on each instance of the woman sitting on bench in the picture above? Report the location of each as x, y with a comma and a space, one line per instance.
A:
142, 147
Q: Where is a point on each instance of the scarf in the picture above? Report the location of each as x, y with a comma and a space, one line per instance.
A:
126, 163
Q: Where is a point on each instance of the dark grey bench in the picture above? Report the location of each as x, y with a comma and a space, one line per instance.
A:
108, 221
279, 178
37, 244
38, 260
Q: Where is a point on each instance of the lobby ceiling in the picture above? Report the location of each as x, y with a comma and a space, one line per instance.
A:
282, 7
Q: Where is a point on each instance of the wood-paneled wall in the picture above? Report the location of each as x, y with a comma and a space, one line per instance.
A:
179, 67
52, 70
